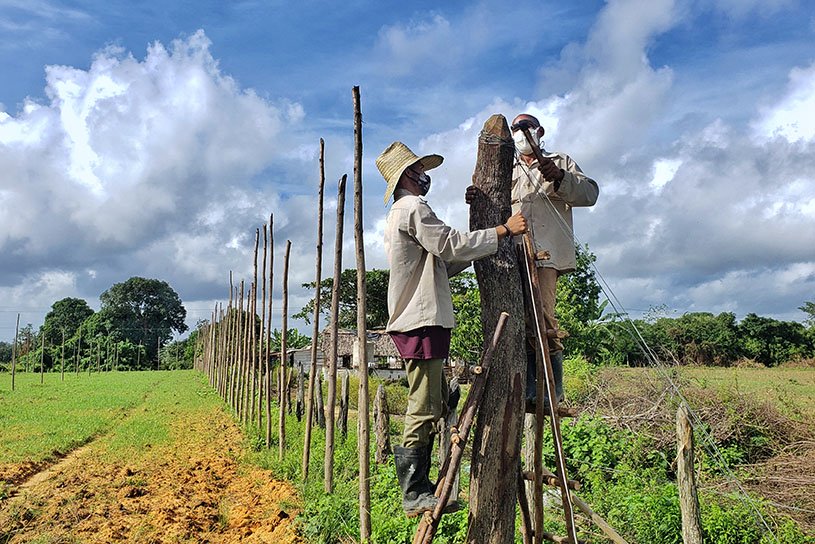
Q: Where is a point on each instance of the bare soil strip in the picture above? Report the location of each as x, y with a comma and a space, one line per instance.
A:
193, 489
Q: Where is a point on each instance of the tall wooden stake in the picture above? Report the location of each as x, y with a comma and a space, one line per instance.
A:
14, 352
255, 374
497, 442
364, 438
283, 354
312, 373
62, 366
42, 357
268, 334
332, 350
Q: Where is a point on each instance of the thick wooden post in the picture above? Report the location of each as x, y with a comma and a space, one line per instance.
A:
331, 356
382, 424
364, 438
312, 373
688, 499
497, 442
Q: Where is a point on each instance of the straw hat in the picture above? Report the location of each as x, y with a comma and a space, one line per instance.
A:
395, 160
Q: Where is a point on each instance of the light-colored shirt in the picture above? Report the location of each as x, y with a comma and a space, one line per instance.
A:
419, 246
550, 220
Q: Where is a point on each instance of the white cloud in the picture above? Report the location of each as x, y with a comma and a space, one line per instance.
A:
793, 116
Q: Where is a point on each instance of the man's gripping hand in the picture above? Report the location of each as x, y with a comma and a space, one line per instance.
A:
471, 194
550, 170
516, 224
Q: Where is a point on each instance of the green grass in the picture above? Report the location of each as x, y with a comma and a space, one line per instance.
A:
44, 420
783, 386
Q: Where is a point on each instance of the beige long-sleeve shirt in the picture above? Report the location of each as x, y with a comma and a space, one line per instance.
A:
550, 222
419, 247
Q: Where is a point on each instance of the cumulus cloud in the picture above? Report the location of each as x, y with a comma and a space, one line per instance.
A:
160, 167
717, 221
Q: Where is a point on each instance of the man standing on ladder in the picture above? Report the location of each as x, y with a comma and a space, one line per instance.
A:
546, 193
423, 252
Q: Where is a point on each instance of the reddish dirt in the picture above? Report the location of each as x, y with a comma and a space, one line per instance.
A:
192, 490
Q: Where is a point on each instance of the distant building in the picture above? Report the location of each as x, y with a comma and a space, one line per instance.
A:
383, 358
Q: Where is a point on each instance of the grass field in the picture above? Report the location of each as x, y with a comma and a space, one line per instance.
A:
157, 457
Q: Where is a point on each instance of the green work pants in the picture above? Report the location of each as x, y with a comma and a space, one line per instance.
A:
427, 400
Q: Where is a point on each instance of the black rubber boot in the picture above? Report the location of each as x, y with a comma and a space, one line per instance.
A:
556, 358
411, 470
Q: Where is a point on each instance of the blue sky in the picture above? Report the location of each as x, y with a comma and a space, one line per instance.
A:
152, 138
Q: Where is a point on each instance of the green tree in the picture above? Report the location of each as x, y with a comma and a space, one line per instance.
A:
143, 311
809, 309
702, 338
66, 315
5, 351
467, 338
578, 308
773, 342
377, 300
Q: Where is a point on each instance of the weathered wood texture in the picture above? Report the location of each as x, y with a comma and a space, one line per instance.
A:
345, 392
686, 481
328, 464
312, 374
498, 431
284, 399
363, 423
382, 423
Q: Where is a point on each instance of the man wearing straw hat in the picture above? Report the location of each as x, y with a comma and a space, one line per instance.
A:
423, 252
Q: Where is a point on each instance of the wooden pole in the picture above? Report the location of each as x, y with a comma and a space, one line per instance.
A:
265, 328
256, 394
312, 373
301, 392
78, 351
344, 400
62, 365
497, 442
283, 354
382, 425
14, 352
364, 437
42, 357
319, 408
686, 481
332, 350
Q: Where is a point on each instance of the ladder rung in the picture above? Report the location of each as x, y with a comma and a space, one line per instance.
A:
551, 480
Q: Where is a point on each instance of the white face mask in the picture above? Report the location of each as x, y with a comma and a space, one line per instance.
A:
522, 144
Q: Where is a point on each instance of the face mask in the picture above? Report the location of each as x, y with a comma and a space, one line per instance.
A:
424, 183
522, 144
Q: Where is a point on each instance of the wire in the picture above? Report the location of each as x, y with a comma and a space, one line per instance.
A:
708, 443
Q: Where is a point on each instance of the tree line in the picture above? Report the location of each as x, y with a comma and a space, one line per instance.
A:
131, 331
601, 336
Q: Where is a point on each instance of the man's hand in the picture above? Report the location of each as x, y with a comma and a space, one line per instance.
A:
550, 171
516, 224
471, 194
